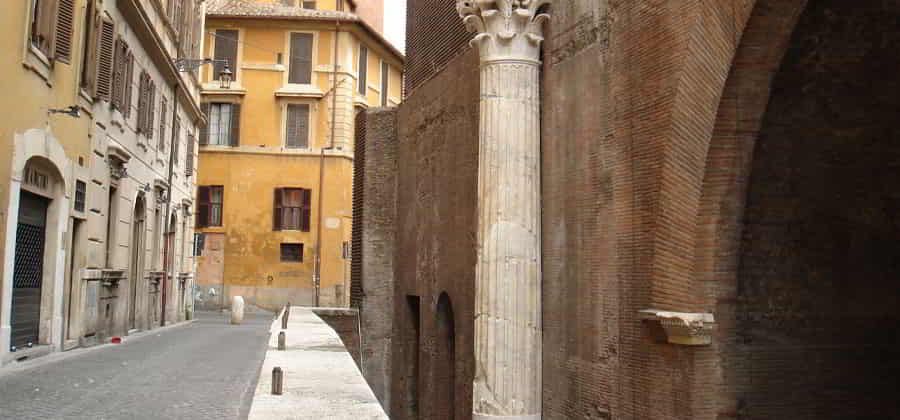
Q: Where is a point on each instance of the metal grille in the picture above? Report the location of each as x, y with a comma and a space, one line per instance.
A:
29, 265
359, 170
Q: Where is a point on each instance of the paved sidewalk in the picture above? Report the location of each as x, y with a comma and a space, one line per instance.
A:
203, 370
321, 380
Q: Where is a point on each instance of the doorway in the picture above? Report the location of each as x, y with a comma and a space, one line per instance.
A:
137, 258
28, 269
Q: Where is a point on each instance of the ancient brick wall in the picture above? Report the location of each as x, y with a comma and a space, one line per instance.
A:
437, 185
375, 238
434, 36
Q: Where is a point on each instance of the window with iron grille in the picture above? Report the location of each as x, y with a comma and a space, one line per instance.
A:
209, 206
292, 209
80, 195
291, 252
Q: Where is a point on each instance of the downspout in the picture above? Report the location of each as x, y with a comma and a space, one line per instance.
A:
167, 215
317, 275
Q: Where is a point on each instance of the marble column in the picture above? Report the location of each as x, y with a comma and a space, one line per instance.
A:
508, 273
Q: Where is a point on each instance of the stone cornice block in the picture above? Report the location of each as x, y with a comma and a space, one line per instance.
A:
683, 328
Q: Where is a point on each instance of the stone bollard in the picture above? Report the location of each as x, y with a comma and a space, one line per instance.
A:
277, 381
237, 310
281, 341
284, 317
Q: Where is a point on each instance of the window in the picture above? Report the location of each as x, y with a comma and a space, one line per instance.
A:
300, 71
292, 209
176, 139
123, 69
189, 157
226, 48
88, 59
209, 206
163, 105
291, 252
309, 4
146, 105
80, 194
385, 76
296, 134
224, 124
363, 69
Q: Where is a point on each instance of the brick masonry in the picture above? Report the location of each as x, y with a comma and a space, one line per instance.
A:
375, 240
729, 157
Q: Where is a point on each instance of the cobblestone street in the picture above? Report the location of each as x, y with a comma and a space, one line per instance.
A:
205, 370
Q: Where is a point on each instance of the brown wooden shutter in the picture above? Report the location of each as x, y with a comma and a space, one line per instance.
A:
142, 104
118, 75
276, 210
297, 126
129, 81
151, 107
163, 105
204, 130
363, 68
202, 207
89, 61
176, 138
65, 23
189, 156
235, 125
226, 47
306, 210
301, 58
105, 58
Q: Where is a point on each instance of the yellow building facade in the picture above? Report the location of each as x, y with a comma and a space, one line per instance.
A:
276, 160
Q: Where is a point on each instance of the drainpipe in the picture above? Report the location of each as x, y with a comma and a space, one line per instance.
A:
317, 275
167, 214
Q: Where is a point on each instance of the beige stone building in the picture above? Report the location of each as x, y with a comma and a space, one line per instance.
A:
97, 169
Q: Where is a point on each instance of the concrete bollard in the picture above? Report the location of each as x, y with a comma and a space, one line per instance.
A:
281, 341
237, 310
277, 381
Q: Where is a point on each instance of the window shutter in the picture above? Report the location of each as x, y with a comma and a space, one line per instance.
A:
142, 104
105, 58
151, 107
163, 104
65, 21
306, 210
118, 75
226, 46
276, 210
189, 157
204, 130
176, 138
301, 58
363, 69
202, 207
297, 126
129, 80
235, 125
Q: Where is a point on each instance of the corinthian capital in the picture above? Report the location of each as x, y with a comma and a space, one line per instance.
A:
507, 30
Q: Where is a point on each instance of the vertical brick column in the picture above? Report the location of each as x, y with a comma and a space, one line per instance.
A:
508, 273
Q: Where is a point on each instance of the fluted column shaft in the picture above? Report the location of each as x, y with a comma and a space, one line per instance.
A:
508, 277
508, 274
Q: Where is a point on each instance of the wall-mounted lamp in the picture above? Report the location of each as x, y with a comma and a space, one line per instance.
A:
190, 64
73, 111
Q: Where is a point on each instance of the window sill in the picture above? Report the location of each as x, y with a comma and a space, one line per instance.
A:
37, 62
299, 91
213, 89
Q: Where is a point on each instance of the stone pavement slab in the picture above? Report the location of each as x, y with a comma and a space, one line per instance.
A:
321, 380
204, 370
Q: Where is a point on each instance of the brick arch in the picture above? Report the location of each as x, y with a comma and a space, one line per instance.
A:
723, 190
